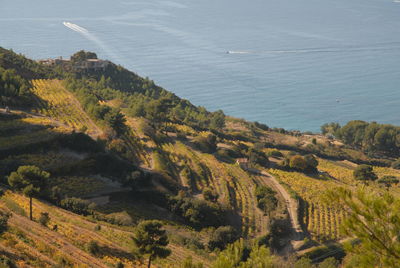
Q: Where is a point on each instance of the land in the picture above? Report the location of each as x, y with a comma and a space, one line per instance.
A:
110, 137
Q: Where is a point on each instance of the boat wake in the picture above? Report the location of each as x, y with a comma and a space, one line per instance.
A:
85, 33
343, 49
238, 52
75, 27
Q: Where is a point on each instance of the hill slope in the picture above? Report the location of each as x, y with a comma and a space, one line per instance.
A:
139, 152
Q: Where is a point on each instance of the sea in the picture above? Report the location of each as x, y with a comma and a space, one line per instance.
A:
294, 64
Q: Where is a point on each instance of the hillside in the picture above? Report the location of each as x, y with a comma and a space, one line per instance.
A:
120, 149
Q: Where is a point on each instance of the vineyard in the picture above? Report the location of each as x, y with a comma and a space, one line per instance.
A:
54, 101
42, 247
21, 131
321, 220
234, 186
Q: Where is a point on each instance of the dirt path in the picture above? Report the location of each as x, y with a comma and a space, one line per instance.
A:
292, 207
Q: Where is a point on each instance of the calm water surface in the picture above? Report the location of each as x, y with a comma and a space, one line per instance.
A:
287, 63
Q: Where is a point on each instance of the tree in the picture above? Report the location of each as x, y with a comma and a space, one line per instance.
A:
116, 120
330, 128
364, 173
150, 239
240, 256
30, 180
83, 55
222, 236
374, 218
217, 120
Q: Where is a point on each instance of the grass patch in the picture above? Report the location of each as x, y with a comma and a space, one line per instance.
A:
13, 206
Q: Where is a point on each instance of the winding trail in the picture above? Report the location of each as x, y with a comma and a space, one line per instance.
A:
292, 206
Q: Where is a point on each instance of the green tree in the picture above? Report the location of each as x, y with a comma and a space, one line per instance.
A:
150, 239
217, 120
374, 218
260, 257
232, 256
116, 120
30, 180
222, 236
330, 128
83, 55
240, 256
364, 173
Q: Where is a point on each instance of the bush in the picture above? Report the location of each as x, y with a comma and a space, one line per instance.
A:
297, 162
388, 180
93, 247
364, 173
275, 153
120, 218
210, 195
44, 218
206, 144
266, 199
198, 213
222, 236
119, 265
258, 157
76, 205
3, 222
6, 262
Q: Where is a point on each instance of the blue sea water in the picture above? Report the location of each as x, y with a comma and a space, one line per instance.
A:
287, 63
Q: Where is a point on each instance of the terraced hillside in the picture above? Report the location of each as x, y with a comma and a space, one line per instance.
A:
126, 150
33, 245
54, 101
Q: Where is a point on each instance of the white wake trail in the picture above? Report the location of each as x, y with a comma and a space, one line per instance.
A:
85, 33
75, 27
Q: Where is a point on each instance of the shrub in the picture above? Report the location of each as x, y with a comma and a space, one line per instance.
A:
210, 195
206, 144
364, 173
198, 213
297, 162
93, 247
275, 153
388, 180
6, 262
3, 222
266, 199
222, 236
119, 265
44, 218
258, 157
76, 205
120, 218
